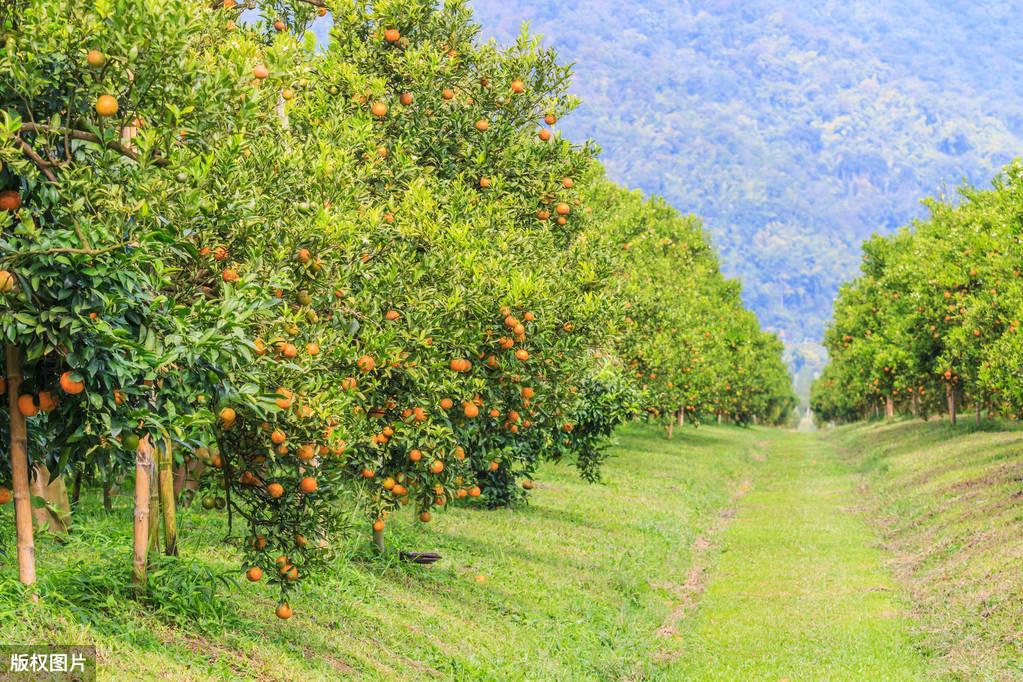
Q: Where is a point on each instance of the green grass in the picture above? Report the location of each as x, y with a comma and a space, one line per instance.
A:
575, 584
873, 552
799, 590
949, 502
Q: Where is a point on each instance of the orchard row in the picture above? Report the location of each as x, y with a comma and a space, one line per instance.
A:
309, 281
933, 322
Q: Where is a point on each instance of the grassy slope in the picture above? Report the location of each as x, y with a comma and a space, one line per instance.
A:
575, 585
949, 502
800, 590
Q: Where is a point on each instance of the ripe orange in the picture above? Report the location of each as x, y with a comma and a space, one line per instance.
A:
447, 93
259, 71
284, 611
368, 473
484, 182
365, 363
229, 275
522, 354
567, 182
254, 574
471, 410
459, 452
308, 485
312, 348
482, 125
10, 200
474, 491
5, 495
543, 214
518, 86
378, 525
563, 209
286, 400
69, 385
425, 517
415, 455
527, 484
228, 415
275, 490
27, 405
279, 26
544, 134
47, 402
436, 466
550, 119
406, 98
391, 315
106, 105
378, 109
446, 403
392, 35
493, 466
95, 59
529, 316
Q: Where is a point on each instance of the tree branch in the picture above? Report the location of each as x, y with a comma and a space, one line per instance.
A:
43, 166
68, 250
89, 137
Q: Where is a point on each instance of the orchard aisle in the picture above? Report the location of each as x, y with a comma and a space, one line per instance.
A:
798, 589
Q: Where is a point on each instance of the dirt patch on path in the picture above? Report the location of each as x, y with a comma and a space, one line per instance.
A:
686, 595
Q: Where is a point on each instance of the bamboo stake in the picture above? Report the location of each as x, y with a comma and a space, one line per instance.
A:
143, 471
378, 540
154, 507
167, 499
19, 471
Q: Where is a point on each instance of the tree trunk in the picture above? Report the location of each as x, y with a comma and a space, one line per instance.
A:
950, 396
108, 502
154, 506
978, 411
682, 416
167, 499
671, 429
143, 472
55, 516
76, 489
889, 408
719, 417
378, 540
19, 471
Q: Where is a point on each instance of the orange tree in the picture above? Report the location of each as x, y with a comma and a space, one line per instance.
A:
934, 316
90, 100
689, 345
346, 279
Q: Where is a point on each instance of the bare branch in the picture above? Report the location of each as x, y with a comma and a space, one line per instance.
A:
64, 250
26, 148
89, 137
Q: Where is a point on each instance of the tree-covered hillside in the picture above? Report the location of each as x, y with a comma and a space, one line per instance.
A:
794, 128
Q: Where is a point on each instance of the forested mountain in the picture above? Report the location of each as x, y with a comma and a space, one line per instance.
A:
794, 128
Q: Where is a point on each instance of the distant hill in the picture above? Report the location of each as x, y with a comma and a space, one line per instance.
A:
795, 128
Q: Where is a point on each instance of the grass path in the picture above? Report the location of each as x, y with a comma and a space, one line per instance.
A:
798, 589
